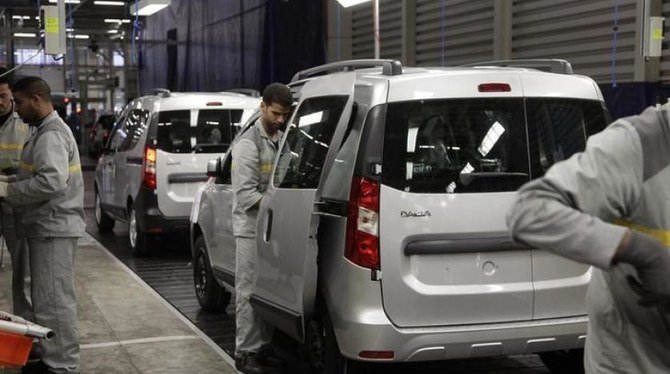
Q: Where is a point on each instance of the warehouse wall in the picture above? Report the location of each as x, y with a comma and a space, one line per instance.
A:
455, 32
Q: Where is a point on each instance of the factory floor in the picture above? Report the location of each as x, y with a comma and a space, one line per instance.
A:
124, 325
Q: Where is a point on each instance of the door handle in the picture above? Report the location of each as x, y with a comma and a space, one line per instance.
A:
268, 227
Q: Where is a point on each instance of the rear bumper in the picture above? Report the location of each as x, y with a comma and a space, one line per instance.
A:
440, 343
360, 323
151, 220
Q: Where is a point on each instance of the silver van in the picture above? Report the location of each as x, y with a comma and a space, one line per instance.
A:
382, 235
156, 158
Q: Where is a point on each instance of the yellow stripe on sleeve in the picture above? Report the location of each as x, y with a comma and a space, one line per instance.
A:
661, 235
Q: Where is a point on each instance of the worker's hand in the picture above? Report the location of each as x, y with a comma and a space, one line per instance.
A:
651, 259
7, 178
3, 189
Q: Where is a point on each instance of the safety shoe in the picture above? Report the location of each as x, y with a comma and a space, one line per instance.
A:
249, 363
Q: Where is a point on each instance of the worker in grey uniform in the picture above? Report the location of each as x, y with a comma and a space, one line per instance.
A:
609, 207
48, 199
13, 134
253, 155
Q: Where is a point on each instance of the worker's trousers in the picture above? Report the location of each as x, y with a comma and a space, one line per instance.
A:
623, 337
20, 267
252, 332
54, 302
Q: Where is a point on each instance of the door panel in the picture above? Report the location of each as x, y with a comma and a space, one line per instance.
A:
558, 278
286, 230
454, 259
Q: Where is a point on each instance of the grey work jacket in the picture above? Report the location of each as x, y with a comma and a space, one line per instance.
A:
253, 156
13, 135
48, 197
581, 209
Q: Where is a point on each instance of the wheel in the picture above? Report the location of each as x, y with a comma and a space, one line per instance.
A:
564, 362
138, 239
104, 222
211, 296
322, 354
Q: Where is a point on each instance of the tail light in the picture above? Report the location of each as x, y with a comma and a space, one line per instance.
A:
149, 169
363, 223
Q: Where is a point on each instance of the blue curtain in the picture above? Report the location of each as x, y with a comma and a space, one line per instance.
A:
223, 44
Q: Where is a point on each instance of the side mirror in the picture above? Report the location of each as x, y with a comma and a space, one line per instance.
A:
214, 167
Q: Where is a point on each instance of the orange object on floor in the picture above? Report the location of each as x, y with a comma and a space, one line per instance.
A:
14, 349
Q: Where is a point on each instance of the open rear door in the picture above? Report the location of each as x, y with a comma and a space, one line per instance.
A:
286, 231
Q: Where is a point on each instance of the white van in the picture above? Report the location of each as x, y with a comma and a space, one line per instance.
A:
156, 158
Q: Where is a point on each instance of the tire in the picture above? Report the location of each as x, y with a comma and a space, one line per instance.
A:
104, 222
564, 362
321, 352
137, 239
211, 296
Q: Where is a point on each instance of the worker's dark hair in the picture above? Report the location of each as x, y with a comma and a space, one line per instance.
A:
277, 93
30, 86
5, 78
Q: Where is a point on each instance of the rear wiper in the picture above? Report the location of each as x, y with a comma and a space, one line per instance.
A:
467, 178
211, 146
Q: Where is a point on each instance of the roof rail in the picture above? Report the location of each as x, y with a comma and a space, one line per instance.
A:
245, 91
552, 65
389, 67
162, 92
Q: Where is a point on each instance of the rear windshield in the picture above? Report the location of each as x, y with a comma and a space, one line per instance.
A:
211, 132
482, 145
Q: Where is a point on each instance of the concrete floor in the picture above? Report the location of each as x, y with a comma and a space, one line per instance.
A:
124, 326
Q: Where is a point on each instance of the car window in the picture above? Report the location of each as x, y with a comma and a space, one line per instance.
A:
558, 128
481, 145
455, 146
119, 134
135, 124
212, 131
307, 142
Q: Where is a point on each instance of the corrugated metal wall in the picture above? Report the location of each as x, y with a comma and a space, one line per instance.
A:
390, 14
665, 58
468, 32
455, 32
579, 31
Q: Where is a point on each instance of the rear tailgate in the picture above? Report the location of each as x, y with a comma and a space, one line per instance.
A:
447, 260
179, 176
190, 131
450, 169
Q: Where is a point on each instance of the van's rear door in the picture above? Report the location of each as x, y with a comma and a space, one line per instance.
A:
186, 140
449, 171
557, 128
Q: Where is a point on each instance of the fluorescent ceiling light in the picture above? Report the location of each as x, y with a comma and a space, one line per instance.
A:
116, 20
348, 3
110, 3
20, 17
69, 29
66, 1
80, 36
25, 34
148, 7
112, 31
